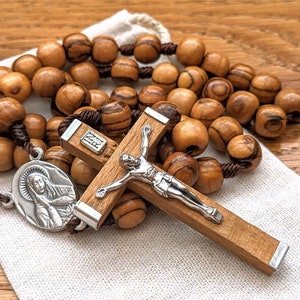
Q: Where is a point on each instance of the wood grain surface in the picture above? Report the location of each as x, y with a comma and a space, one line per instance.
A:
264, 34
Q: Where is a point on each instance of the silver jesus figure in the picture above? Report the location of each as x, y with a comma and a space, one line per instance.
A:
164, 184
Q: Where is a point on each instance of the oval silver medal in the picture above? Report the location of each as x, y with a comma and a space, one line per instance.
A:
44, 195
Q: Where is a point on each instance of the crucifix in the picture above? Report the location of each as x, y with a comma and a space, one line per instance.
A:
126, 166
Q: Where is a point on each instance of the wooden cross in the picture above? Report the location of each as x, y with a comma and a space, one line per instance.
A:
241, 238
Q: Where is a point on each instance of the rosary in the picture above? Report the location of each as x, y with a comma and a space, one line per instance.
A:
132, 149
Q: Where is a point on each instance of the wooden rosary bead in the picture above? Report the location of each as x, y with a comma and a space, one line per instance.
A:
182, 166
27, 64
265, 86
86, 74
190, 51
149, 95
169, 110
216, 64
104, 49
125, 94
35, 125
16, 85
217, 88
270, 121
78, 47
68, 77
130, 211
222, 130
165, 149
242, 106
184, 99
207, 110
81, 172
98, 98
289, 100
210, 178
165, 75
11, 111
116, 118
4, 70
125, 71
6, 154
190, 136
71, 96
47, 80
52, 54
21, 156
52, 135
246, 151
147, 48
240, 75
59, 157
193, 78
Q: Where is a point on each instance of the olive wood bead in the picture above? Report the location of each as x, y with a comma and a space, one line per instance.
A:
52, 54
242, 106
169, 110
16, 85
27, 64
4, 70
68, 77
35, 125
98, 98
52, 135
246, 151
104, 49
184, 99
149, 95
289, 100
165, 149
116, 118
59, 157
78, 47
182, 166
81, 172
210, 178
86, 74
21, 156
240, 75
222, 130
216, 64
193, 78
265, 86
130, 211
190, 51
6, 154
190, 136
125, 94
47, 80
11, 111
125, 71
217, 88
270, 121
147, 48
71, 96
165, 75
207, 110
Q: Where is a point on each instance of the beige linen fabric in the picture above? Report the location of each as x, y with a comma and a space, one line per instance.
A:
162, 258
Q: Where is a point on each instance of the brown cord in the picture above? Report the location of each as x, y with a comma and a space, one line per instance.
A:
166, 49
21, 138
3, 198
90, 117
144, 72
230, 170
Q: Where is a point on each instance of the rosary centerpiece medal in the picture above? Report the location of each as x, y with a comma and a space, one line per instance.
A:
44, 194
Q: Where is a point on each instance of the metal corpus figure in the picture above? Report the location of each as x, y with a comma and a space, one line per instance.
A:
164, 184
